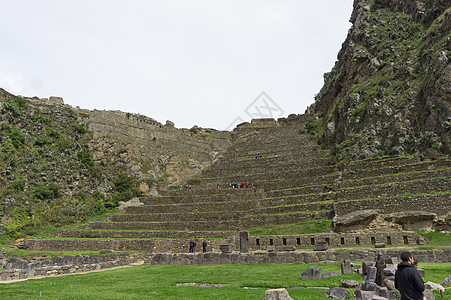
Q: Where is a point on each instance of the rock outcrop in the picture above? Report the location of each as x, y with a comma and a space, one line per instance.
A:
390, 90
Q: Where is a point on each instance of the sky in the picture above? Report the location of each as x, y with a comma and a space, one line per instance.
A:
210, 63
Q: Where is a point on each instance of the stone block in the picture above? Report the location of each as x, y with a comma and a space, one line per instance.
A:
321, 246
338, 293
227, 248
383, 292
446, 282
365, 266
390, 270
364, 295
271, 248
277, 294
311, 273
369, 285
285, 248
346, 267
379, 245
346, 283
244, 241
428, 295
371, 273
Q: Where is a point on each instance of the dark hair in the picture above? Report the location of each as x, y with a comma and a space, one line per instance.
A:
415, 262
405, 256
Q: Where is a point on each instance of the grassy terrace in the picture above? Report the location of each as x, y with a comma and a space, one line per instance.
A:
401, 196
287, 213
314, 226
160, 282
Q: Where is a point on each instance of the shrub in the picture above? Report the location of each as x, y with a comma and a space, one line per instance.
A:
76, 128
41, 141
16, 106
17, 138
47, 192
18, 185
85, 157
53, 133
63, 144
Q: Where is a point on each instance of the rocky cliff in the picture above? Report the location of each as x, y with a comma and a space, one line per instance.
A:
60, 165
390, 90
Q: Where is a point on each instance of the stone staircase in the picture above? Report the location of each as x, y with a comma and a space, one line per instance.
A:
293, 182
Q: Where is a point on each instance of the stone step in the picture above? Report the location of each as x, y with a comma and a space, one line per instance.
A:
279, 219
268, 175
170, 217
295, 208
237, 194
173, 226
397, 177
335, 185
148, 246
435, 203
108, 234
384, 162
88, 245
194, 207
269, 206
414, 167
409, 187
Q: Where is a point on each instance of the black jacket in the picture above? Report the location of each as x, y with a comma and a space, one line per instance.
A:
409, 282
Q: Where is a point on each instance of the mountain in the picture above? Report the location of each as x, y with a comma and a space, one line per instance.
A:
60, 165
389, 92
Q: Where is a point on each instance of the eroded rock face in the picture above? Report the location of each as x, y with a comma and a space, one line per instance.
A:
413, 220
358, 220
390, 90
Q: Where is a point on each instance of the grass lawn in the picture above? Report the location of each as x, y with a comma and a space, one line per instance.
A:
159, 282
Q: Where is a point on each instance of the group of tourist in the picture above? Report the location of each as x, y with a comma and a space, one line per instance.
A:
193, 244
242, 185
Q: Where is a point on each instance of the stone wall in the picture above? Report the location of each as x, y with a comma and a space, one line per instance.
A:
169, 153
145, 245
436, 256
431, 203
17, 269
334, 239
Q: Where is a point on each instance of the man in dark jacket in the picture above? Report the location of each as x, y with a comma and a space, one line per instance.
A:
408, 280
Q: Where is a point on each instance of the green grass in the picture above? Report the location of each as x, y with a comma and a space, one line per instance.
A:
314, 226
436, 238
159, 282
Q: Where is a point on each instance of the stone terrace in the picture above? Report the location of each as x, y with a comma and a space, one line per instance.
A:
293, 182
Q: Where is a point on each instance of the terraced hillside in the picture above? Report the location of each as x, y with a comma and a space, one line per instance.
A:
290, 181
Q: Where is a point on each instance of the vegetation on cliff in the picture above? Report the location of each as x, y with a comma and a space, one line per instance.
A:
48, 177
390, 90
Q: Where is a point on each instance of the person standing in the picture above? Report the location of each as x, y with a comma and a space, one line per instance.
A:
204, 246
408, 280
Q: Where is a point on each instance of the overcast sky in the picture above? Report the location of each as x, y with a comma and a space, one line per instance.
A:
194, 62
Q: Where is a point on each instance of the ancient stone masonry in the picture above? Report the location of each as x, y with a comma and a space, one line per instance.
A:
262, 179
169, 153
334, 239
